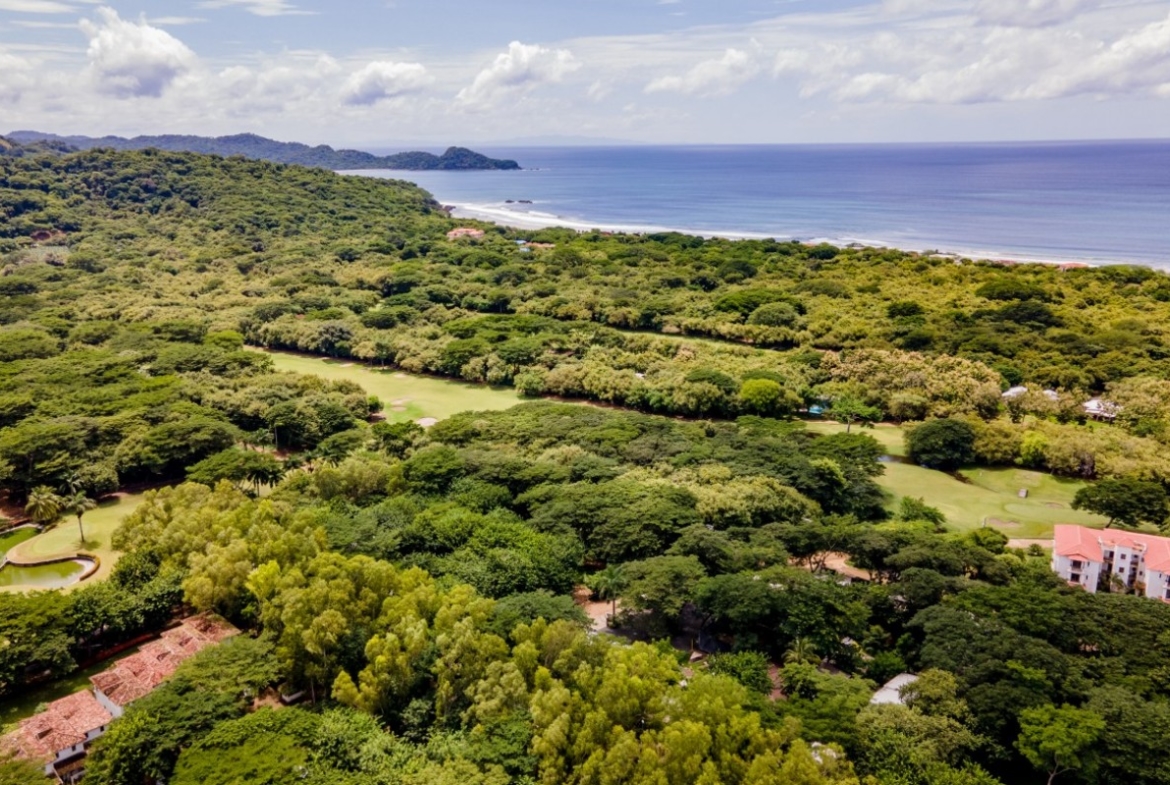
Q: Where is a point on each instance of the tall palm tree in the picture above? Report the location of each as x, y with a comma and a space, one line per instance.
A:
609, 584
79, 504
44, 505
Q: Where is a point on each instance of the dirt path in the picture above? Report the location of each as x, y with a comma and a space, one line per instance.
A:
1027, 543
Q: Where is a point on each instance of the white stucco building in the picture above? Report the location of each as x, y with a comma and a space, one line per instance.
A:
1113, 560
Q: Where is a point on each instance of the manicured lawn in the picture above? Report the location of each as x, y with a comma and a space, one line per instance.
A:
988, 496
889, 436
991, 496
62, 539
405, 396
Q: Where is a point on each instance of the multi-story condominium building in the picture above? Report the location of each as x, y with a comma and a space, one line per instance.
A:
1113, 560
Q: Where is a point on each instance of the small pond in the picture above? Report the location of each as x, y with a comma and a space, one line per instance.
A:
41, 576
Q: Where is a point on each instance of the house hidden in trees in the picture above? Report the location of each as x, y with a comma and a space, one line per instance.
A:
140, 673
60, 735
1112, 560
891, 691
465, 233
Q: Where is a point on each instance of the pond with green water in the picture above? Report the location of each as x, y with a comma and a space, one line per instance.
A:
41, 576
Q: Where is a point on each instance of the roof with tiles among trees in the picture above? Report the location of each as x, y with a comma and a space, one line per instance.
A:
155, 662
63, 724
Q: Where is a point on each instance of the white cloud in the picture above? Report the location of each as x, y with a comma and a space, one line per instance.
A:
1133, 62
383, 80
130, 59
520, 69
944, 62
275, 86
258, 7
36, 7
599, 91
718, 76
17, 77
174, 21
1031, 13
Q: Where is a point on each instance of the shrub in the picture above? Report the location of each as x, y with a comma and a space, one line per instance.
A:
778, 314
749, 668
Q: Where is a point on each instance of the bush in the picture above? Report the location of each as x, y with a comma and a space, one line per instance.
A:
777, 314
944, 444
1011, 289
904, 309
749, 668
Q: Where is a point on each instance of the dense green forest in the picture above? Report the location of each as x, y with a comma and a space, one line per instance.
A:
416, 582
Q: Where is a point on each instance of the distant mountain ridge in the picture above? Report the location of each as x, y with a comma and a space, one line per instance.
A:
258, 147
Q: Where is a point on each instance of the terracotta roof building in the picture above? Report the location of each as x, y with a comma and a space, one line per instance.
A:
59, 735
1113, 559
465, 233
140, 673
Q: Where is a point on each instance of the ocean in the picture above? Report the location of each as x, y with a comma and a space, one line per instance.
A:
1097, 202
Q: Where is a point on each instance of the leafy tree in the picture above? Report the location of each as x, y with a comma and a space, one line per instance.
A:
1125, 501
749, 668
145, 743
17, 771
517, 609
943, 444
395, 439
767, 398
848, 411
911, 509
1058, 740
662, 585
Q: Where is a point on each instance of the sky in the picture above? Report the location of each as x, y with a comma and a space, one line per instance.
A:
437, 72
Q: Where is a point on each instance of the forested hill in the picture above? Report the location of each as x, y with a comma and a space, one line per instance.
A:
417, 579
260, 148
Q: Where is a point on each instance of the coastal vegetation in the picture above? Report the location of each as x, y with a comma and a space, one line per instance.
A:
414, 582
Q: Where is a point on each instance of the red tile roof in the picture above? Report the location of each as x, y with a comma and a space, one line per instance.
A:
465, 231
1080, 542
63, 724
140, 673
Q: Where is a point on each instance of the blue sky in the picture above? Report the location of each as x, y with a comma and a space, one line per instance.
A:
437, 72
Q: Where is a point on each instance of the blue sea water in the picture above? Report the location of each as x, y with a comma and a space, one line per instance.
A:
1100, 202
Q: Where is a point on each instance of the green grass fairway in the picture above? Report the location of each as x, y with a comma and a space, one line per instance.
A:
889, 436
62, 540
989, 495
405, 396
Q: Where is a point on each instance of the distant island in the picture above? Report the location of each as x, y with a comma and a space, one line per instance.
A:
258, 147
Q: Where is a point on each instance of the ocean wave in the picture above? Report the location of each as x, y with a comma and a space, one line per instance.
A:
519, 218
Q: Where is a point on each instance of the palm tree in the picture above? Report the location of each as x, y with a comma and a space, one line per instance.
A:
44, 505
266, 471
801, 650
609, 584
79, 504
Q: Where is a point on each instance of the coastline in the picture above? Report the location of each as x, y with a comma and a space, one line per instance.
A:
533, 220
